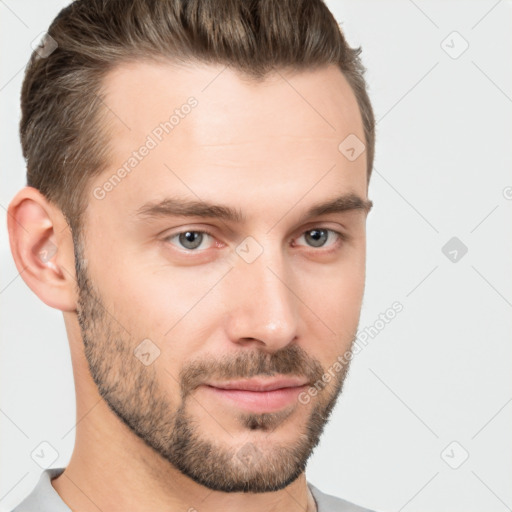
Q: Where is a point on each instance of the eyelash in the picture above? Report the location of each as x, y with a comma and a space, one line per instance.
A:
342, 237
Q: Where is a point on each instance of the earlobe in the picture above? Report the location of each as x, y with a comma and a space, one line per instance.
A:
42, 248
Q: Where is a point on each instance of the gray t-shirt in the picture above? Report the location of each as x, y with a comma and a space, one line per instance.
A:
44, 498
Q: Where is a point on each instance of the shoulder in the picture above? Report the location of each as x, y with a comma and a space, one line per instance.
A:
44, 498
329, 503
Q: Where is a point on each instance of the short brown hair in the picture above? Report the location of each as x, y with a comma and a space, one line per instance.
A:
61, 103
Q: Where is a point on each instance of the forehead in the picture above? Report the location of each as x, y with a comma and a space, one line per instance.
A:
148, 92
212, 132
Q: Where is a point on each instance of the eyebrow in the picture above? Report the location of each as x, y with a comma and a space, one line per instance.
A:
178, 207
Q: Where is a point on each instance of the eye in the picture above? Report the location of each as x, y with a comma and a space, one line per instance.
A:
318, 237
190, 239
196, 240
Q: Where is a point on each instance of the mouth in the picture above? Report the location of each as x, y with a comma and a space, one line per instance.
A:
258, 395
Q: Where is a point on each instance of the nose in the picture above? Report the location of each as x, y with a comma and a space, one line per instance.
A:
262, 308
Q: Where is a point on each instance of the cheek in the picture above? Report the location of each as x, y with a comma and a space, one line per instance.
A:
339, 303
172, 307
336, 299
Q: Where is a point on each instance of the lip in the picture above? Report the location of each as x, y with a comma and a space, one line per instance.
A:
260, 384
258, 395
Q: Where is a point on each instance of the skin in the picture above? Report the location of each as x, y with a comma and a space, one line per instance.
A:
257, 147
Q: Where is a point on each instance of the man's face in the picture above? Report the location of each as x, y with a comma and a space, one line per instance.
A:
175, 307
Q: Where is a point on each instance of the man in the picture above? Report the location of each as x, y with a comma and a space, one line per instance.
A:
197, 179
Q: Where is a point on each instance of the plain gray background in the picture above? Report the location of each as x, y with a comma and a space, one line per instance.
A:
432, 387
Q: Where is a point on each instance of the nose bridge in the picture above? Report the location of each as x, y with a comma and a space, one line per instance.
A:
263, 307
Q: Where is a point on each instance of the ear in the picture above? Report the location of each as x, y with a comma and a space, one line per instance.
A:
42, 247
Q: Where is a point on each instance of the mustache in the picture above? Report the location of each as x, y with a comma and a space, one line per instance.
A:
291, 361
